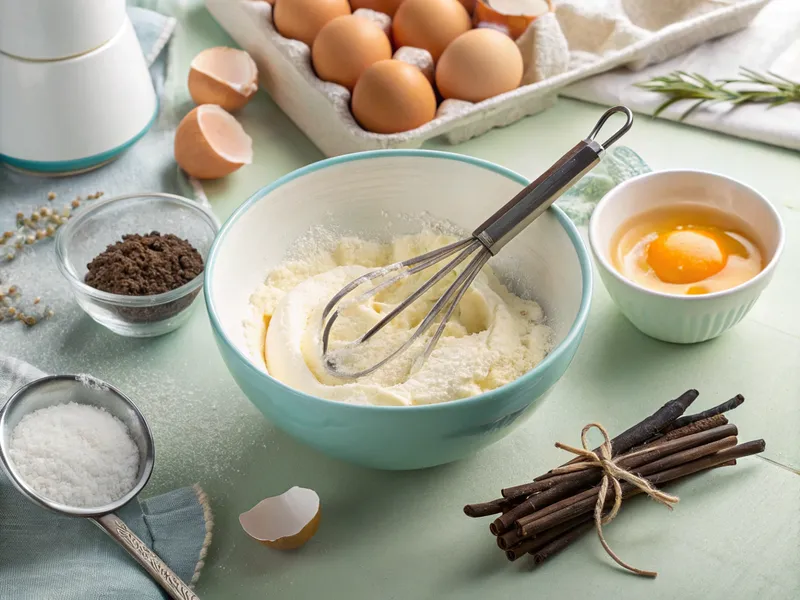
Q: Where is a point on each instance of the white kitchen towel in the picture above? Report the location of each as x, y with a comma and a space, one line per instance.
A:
770, 43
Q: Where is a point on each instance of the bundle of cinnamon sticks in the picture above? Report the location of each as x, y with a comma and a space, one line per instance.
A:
546, 515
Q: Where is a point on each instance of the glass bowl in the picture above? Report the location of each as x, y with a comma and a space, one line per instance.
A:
89, 233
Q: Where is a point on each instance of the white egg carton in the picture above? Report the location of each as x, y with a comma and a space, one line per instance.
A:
581, 38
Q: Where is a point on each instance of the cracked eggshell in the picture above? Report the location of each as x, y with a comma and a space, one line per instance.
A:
210, 143
227, 77
512, 17
284, 522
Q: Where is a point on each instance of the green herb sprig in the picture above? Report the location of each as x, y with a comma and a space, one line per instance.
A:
751, 87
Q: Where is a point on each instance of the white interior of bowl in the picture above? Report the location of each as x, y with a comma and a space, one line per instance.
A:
379, 197
662, 188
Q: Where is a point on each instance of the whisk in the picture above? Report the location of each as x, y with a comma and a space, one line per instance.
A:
485, 242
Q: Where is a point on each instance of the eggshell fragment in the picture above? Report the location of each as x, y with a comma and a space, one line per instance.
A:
417, 57
429, 24
509, 16
210, 143
346, 46
302, 19
223, 76
284, 522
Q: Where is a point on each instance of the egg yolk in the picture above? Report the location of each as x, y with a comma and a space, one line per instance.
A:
685, 248
686, 256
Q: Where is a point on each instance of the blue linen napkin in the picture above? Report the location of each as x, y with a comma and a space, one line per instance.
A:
45, 556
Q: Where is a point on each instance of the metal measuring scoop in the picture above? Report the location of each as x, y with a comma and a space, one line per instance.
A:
61, 389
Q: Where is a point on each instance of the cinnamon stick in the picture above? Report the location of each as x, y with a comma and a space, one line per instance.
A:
569, 483
484, 509
558, 544
696, 427
646, 429
535, 544
539, 485
566, 539
556, 513
584, 502
734, 402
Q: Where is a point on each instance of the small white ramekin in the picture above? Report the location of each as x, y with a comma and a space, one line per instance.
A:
678, 318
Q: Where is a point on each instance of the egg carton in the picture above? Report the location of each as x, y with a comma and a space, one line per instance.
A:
580, 38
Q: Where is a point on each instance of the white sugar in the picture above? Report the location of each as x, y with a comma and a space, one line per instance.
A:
75, 454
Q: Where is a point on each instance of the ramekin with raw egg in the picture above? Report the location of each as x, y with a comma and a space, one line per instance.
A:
685, 254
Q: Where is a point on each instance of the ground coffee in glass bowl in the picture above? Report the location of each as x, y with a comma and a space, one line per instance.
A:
135, 263
146, 265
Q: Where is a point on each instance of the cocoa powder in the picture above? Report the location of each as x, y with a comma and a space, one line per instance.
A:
146, 265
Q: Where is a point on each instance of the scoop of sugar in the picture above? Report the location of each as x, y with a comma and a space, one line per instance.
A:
417, 57
284, 522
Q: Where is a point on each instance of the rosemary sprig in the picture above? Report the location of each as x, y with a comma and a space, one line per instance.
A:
750, 87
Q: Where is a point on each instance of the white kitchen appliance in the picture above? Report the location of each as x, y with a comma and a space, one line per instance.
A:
75, 90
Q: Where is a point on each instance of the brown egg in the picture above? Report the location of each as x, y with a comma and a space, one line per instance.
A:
469, 5
302, 19
346, 46
478, 65
392, 96
429, 24
388, 7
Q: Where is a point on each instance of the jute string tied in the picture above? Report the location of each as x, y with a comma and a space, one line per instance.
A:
612, 473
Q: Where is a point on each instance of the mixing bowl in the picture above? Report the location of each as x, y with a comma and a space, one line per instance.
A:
382, 194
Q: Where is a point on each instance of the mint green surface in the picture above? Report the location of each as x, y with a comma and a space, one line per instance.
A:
736, 532
734, 535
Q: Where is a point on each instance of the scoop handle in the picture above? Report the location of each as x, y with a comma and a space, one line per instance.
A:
527, 205
157, 568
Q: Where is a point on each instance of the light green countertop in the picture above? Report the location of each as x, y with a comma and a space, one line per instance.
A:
402, 535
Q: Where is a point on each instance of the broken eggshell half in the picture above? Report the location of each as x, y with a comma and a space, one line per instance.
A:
285, 522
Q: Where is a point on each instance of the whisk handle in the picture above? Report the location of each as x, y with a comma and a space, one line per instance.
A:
537, 197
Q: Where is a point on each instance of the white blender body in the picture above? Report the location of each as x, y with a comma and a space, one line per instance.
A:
70, 113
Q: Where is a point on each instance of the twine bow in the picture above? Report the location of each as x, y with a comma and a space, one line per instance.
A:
612, 473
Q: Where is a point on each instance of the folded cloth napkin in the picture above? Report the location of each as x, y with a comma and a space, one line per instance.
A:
770, 43
45, 556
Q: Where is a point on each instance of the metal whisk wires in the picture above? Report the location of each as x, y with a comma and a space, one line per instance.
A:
484, 243
446, 303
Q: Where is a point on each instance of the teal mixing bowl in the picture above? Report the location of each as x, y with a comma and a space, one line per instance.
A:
383, 194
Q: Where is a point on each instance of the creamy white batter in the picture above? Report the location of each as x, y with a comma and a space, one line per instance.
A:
492, 338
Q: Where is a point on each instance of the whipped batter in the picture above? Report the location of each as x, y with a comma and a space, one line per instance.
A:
492, 338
